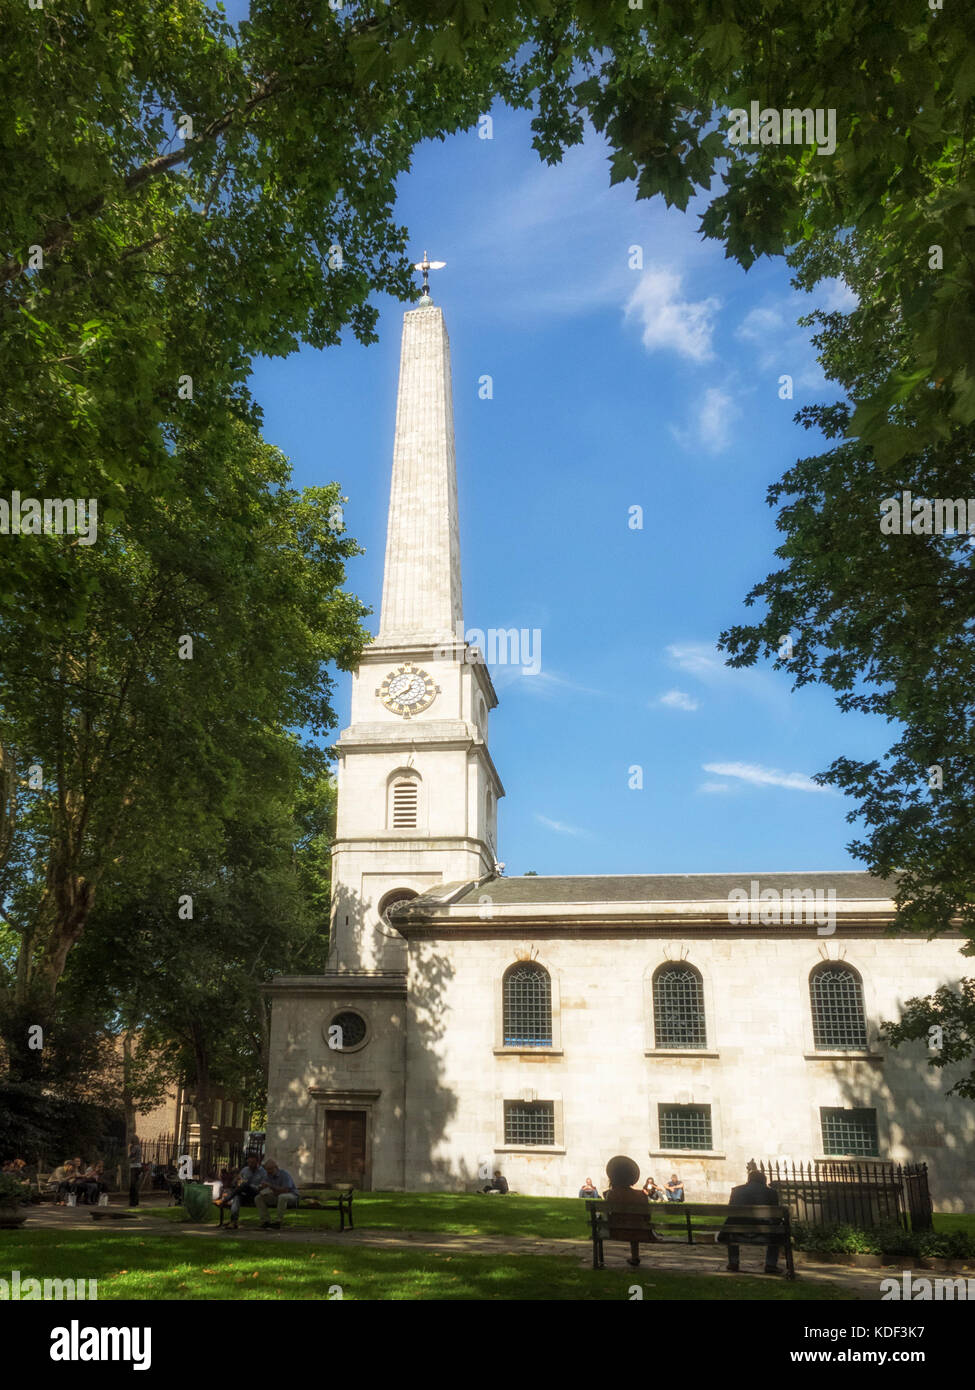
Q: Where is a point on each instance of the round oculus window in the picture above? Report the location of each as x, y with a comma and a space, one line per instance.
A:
351, 1031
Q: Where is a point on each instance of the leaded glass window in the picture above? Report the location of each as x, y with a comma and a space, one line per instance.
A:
678, 1008
532, 1123
837, 1009
685, 1126
849, 1132
353, 1028
527, 994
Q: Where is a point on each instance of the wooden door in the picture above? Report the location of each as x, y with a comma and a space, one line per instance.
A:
345, 1147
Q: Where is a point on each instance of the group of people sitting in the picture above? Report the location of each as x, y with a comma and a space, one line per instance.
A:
72, 1178
84, 1182
258, 1185
672, 1191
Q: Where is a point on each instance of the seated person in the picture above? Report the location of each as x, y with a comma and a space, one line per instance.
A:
675, 1189
589, 1189
653, 1191
93, 1182
623, 1173
77, 1187
246, 1188
64, 1175
497, 1183
755, 1192
278, 1187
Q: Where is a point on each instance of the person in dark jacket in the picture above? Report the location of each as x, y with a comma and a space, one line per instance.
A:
753, 1193
621, 1198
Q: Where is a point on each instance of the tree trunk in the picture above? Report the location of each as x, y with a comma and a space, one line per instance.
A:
128, 1103
204, 1101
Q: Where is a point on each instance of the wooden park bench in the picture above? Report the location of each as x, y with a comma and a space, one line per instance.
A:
335, 1199
740, 1225
44, 1187
339, 1199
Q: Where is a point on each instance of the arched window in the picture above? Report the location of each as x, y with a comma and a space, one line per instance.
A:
403, 806
839, 1022
527, 994
678, 1007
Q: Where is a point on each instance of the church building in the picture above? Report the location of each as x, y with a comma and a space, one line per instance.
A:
468, 1021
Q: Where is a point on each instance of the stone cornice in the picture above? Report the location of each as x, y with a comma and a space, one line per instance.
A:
440, 733
657, 919
411, 840
356, 985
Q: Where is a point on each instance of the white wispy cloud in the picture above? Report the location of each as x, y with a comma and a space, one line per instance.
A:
545, 683
836, 294
780, 345
679, 699
711, 425
698, 659
703, 662
759, 776
560, 827
670, 322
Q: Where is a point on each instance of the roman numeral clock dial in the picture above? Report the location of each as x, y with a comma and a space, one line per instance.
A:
407, 691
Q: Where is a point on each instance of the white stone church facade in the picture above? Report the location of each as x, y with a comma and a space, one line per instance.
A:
469, 1021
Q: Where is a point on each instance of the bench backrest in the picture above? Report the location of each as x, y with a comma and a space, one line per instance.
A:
702, 1209
728, 1218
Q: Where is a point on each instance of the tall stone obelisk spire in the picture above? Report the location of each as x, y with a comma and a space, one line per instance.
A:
421, 582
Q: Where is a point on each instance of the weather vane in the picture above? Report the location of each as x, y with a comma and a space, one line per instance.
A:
426, 265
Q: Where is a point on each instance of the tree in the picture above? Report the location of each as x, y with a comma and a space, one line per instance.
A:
895, 82
192, 986
160, 160
884, 619
167, 711
180, 196
884, 615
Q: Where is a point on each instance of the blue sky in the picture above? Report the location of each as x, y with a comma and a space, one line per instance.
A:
613, 387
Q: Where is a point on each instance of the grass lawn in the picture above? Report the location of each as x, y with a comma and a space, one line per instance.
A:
544, 1218
950, 1221
468, 1214
199, 1267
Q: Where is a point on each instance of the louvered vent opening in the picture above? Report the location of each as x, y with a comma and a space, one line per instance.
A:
404, 805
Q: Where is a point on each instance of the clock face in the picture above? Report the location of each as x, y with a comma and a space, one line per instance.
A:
408, 691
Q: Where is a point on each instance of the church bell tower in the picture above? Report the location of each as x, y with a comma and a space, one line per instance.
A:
417, 789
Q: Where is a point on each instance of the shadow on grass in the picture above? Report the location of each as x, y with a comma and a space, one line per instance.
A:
468, 1214
174, 1267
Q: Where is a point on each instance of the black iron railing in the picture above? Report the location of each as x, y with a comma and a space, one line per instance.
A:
858, 1193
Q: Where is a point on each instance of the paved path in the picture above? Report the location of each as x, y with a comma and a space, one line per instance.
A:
675, 1258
